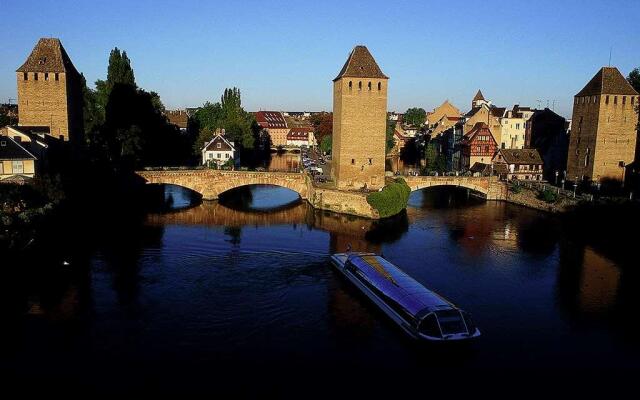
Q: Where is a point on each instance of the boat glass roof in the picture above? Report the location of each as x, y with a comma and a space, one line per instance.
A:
397, 285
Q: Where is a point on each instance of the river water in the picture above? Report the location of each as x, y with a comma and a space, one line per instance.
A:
237, 296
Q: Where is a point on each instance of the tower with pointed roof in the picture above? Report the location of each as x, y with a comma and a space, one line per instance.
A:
49, 91
359, 122
603, 134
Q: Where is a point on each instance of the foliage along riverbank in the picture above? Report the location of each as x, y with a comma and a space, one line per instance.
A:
392, 199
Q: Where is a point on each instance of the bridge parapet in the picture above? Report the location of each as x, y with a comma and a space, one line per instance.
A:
491, 187
211, 183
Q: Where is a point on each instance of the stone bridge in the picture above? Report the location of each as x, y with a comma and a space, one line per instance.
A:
490, 187
211, 183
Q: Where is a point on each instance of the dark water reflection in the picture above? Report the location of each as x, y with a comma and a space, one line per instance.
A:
237, 299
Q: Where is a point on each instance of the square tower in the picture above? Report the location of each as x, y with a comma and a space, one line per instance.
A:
603, 134
359, 122
50, 92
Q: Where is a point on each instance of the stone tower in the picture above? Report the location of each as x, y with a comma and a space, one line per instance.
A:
49, 91
603, 133
359, 122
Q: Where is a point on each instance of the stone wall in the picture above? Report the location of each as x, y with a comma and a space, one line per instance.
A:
343, 202
211, 183
603, 134
359, 132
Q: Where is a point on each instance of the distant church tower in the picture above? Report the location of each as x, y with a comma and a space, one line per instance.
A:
359, 122
603, 133
49, 91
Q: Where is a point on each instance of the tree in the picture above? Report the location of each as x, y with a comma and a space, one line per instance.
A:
322, 125
634, 79
415, 116
240, 126
326, 144
390, 140
126, 126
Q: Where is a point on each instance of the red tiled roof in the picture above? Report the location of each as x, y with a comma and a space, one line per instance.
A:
298, 134
271, 119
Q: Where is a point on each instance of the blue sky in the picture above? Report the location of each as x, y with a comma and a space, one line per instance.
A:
283, 55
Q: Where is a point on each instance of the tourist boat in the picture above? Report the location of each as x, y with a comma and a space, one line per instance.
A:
423, 314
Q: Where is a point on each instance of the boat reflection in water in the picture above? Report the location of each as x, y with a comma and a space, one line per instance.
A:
420, 312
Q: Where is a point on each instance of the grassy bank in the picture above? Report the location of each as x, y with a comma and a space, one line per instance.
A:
392, 199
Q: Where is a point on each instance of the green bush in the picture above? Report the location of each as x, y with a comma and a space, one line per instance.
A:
392, 199
548, 196
515, 188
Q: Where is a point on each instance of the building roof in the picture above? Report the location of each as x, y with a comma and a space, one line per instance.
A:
12, 150
521, 156
478, 96
218, 138
48, 56
479, 127
498, 111
361, 64
607, 81
179, 118
271, 119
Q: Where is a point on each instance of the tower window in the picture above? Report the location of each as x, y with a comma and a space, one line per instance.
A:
615, 99
379, 86
25, 76
632, 99
46, 76
624, 100
350, 85
57, 77
371, 161
35, 76
606, 99
360, 85
369, 85
353, 161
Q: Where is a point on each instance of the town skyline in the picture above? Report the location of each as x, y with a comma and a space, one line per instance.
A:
300, 67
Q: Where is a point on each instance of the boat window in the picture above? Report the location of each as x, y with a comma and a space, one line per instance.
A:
451, 322
471, 326
429, 326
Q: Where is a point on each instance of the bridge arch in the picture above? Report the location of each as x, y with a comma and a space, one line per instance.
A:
211, 183
477, 184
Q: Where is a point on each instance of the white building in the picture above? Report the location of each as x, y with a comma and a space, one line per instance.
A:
513, 127
218, 151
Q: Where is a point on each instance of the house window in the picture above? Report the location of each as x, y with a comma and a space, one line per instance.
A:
219, 155
218, 145
209, 156
226, 155
1, 168
17, 167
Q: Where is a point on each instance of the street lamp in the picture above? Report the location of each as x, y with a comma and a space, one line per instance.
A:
575, 186
556, 178
562, 184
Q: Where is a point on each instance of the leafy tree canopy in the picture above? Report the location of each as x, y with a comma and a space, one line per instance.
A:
415, 116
